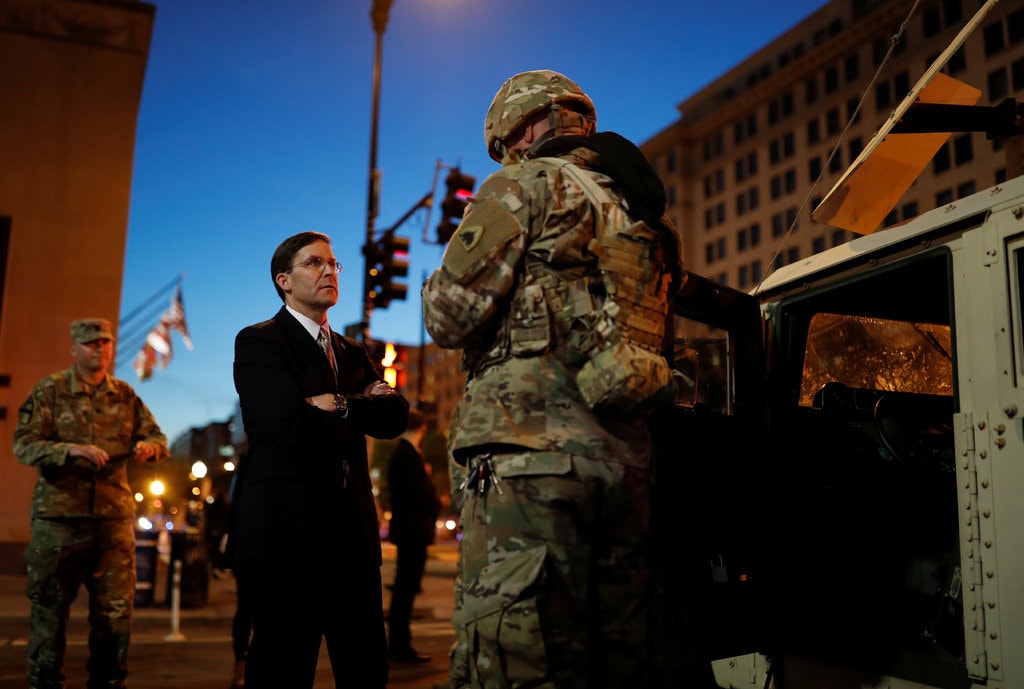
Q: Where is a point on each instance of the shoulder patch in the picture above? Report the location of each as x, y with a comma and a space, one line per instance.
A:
488, 224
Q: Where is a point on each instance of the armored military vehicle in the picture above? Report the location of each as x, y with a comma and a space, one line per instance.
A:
840, 486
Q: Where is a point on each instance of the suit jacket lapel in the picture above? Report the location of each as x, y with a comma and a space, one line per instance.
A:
307, 350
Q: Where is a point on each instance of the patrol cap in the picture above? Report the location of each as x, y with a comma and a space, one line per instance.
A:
90, 329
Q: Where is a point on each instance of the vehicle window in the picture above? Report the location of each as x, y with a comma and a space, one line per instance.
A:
702, 366
876, 354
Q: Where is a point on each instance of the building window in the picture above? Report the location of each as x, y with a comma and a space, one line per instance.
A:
778, 227
774, 151
741, 204
942, 160
788, 145
994, 38
901, 85
755, 234
1000, 175
811, 90
814, 169
752, 125
741, 240
755, 271
671, 194
998, 86
1017, 73
791, 218
773, 112
753, 198
818, 245
944, 198
964, 190
737, 133
721, 248
752, 163
883, 96
787, 104
720, 213
909, 210
952, 12
835, 163
856, 146
932, 22
719, 180
831, 79
891, 218
776, 186
740, 170
709, 219
852, 69
793, 255
709, 253
790, 180
813, 132
709, 188
670, 162
1015, 26
852, 111
963, 151
832, 124
957, 62
838, 237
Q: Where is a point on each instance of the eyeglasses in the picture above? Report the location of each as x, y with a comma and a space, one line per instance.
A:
316, 263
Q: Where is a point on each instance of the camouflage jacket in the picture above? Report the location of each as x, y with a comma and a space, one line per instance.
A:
60, 413
527, 218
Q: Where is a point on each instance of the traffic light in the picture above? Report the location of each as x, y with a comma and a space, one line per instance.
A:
387, 260
460, 188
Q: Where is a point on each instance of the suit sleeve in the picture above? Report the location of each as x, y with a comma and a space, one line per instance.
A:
378, 416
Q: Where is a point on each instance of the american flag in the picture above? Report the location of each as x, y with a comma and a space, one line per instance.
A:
156, 350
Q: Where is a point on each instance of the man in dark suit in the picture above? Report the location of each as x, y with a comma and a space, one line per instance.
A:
414, 510
307, 524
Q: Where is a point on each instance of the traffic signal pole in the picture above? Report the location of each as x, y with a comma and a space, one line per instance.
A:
379, 16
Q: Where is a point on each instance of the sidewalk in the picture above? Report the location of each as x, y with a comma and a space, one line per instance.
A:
198, 653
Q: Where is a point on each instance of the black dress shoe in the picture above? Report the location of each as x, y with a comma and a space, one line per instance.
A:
407, 655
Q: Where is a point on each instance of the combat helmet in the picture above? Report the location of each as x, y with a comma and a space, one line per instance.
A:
525, 94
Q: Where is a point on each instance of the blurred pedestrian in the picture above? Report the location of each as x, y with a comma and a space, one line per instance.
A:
78, 428
556, 286
414, 511
215, 529
245, 595
307, 523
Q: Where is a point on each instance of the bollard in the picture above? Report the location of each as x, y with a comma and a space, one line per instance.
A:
176, 634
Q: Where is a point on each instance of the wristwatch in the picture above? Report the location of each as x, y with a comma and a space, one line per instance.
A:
341, 405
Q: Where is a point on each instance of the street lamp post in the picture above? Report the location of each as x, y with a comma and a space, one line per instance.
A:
379, 15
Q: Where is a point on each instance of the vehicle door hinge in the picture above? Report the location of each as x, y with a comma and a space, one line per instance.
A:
977, 547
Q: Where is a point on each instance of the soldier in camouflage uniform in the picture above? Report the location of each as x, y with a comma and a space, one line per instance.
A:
78, 428
554, 586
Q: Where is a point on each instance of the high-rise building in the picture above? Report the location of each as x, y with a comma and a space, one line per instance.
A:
755, 151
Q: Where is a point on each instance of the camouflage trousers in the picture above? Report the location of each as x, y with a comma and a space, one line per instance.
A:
553, 582
63, 555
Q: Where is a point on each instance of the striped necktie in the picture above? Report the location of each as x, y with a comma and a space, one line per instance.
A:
323, 339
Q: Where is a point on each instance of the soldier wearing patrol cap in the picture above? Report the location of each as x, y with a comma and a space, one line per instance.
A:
552, 464
78, 428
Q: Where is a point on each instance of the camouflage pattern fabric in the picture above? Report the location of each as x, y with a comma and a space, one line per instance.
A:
60, 557
553, 584
82, 530
61, 412
552, 589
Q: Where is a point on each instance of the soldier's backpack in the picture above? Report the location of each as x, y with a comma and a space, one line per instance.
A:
624, 372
